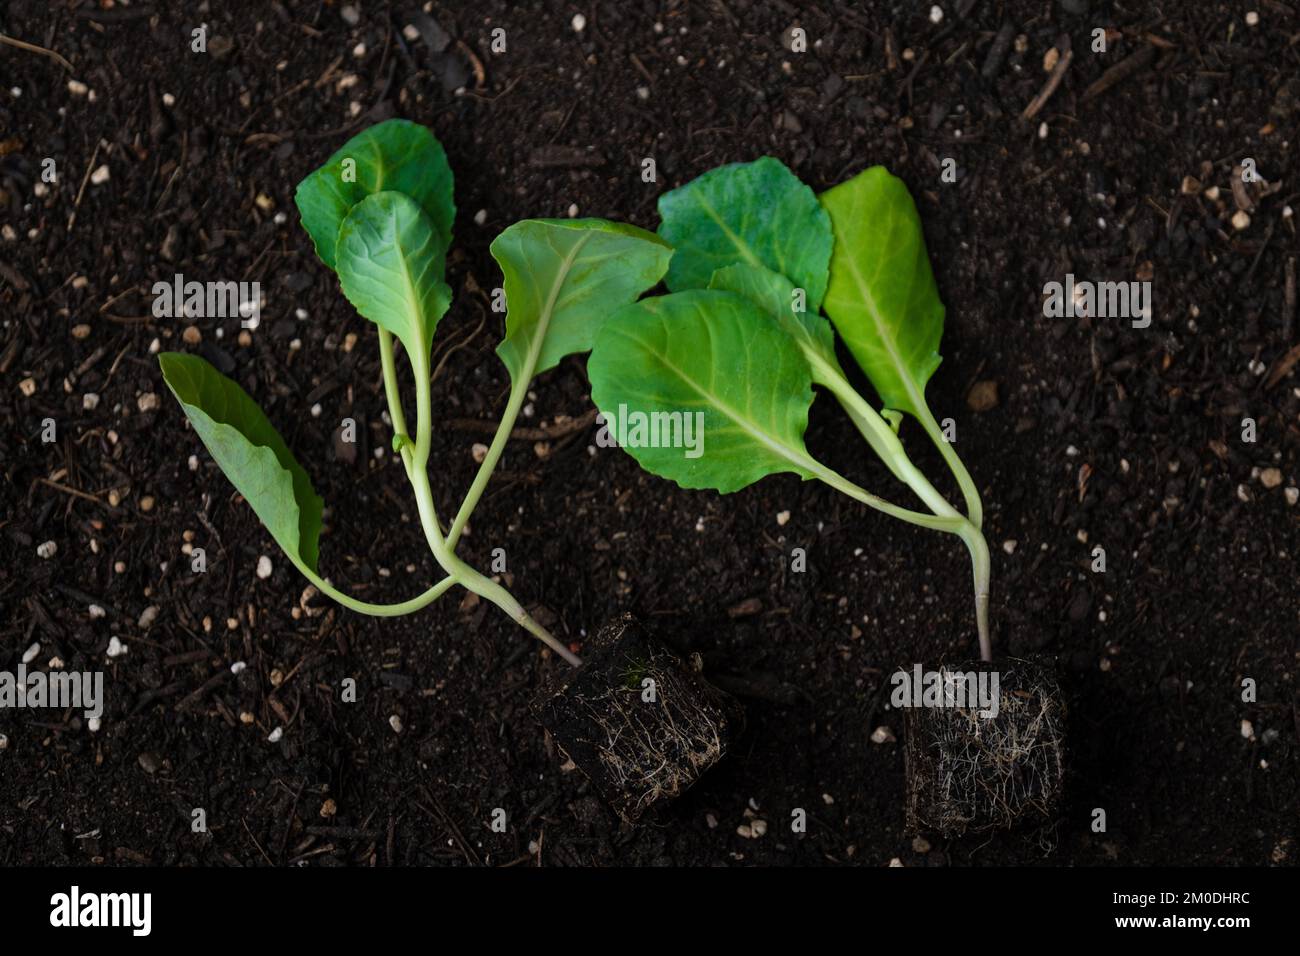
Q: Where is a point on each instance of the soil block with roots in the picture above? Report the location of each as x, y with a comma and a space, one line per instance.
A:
968, 773
638, 722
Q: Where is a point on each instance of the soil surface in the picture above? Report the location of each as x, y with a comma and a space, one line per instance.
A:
1097, 433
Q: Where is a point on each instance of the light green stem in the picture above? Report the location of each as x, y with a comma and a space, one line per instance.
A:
390, 382
974, 507
519, 379
375, 610
416, 464
489, 464
951, 524
474, 581
970, 535
980, 571
884, 442
395, 412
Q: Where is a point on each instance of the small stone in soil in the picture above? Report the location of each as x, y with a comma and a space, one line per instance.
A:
983, 396
149, 762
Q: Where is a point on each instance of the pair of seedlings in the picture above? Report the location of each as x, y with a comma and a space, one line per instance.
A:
380, 214
751, 257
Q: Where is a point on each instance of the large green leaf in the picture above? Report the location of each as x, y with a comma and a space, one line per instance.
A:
395, 155
775, 295
390, 264
713, 353
815, 338
562, 278
250, 451
882, 297
756, 213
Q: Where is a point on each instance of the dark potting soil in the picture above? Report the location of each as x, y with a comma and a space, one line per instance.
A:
1090, 433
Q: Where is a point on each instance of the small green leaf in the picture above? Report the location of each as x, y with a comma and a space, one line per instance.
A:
775, 295
390, 264
562, 278
713, 353
882, 297
401, 441
395, 155
756, 213
250, 451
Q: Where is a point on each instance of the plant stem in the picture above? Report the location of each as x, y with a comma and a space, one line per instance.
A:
950, 523
965, 529
974, 507
423, 412
390, 382
980, 572
375, 610
416, 464
473, 580
519, 380
484, 475
885, 443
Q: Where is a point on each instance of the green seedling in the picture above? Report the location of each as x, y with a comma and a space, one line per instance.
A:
380, 214
740, 338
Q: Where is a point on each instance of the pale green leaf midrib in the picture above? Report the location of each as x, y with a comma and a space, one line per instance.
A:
741, 245
883, 334
774, 444
548, 311
416, 307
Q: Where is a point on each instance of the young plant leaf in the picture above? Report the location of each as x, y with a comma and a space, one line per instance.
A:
395, 155
775, 295
815, 338
250, 451
756, 213
713, 353
882, 297
562, 278
390, 264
